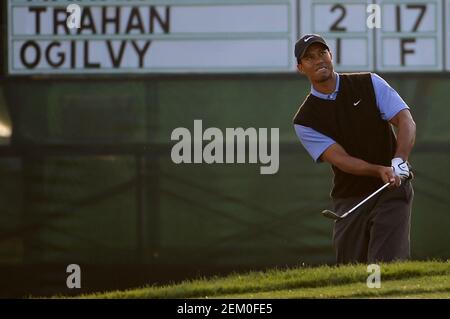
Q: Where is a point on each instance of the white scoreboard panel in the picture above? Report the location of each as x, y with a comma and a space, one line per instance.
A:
152, 36
223, 36
411, 36
343, 25
447, 33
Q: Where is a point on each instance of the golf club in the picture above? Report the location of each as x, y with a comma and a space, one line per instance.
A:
329, 214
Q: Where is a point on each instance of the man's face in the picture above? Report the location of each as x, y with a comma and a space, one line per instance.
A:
316, 63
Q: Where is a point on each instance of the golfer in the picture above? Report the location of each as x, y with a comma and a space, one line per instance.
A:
346, 121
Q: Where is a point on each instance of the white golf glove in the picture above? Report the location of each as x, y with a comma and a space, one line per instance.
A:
400, 167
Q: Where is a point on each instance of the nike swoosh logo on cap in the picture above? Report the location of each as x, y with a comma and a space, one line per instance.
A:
307, 39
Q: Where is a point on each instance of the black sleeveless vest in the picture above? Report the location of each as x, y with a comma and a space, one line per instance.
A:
359, 129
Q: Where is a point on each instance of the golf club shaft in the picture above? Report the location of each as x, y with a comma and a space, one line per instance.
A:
365, 200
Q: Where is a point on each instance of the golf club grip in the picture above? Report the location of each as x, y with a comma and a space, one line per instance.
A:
411, 172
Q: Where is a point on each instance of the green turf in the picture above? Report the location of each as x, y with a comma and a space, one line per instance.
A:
429, 279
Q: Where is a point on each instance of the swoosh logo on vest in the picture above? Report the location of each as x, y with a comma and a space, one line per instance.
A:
356, 103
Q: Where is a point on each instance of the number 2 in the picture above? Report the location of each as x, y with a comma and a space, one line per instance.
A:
335, 26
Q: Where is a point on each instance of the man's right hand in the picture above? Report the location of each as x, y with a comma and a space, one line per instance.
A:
388, 176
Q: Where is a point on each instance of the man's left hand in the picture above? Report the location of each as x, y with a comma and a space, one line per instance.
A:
400, 167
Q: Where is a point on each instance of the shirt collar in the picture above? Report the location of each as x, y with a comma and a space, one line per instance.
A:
330, 96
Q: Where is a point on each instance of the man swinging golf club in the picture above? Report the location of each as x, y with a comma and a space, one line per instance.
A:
346, 121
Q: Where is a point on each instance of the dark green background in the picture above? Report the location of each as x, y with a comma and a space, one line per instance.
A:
63, 208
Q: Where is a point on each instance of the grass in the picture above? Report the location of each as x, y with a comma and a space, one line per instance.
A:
414, 279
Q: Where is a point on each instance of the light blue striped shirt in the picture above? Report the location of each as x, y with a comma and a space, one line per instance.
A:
389, 103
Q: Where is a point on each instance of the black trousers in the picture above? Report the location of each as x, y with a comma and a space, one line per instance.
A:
377, 231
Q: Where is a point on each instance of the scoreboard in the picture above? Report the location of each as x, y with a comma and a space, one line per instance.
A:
411, 37
224, 36
176, 36
343, 25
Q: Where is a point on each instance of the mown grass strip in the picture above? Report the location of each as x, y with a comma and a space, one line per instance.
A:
274, 280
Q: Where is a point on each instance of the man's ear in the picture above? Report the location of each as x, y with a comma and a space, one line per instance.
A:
299, 68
